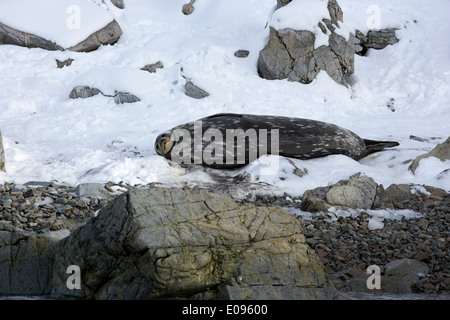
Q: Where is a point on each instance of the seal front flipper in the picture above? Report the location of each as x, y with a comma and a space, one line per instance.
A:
373, 146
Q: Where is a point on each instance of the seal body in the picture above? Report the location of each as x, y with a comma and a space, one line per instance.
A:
228, 140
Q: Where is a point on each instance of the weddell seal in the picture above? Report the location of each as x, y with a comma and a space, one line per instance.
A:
228, 140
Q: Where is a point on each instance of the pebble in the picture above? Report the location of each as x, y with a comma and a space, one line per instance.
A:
44, 206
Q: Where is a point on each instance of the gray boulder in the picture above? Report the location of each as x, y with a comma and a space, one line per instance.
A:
108, 35
376, 39
357, 192
2, 155
166, 243
191, 90
105, 36
83, 92
92, 190
408, 269
291, 54
25, 260
12, 36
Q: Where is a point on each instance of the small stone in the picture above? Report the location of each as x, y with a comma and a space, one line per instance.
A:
188, 8
65, 63
153, 67
355, 272
242, 53
423, 223
93, 190
29, 193
81, 203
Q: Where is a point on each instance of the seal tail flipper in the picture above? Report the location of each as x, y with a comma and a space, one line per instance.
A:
373, 146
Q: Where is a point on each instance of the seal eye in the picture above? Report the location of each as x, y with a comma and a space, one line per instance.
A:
163, 143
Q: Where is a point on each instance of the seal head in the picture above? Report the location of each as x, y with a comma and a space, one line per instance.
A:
164, 144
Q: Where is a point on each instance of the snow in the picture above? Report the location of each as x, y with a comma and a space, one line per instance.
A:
303, 15
64, 22
49, 137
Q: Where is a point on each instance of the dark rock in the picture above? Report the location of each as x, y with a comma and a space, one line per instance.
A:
108, 35
376, 39
83, 92
408, 269
153, 67
242, 53
195, 92
125, 97
65, 63
188, 8
28, 272
118, 3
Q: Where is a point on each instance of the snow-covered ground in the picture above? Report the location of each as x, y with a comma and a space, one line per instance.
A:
49, 137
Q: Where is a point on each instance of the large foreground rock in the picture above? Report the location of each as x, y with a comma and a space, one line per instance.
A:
162, 243
168, 243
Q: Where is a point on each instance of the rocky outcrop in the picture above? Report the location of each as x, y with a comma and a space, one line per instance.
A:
362, 192
2, 155
108, 35
25, 260
292, 53
16, 37
441, 151
357, 192
167, 243
375, 39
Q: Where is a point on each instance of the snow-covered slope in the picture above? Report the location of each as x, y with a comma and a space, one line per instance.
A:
48, 136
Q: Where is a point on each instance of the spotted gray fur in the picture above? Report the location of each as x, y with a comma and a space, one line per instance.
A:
298, 138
